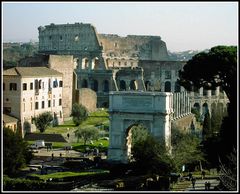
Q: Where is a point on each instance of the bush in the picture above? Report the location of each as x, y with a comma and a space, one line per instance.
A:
79, 113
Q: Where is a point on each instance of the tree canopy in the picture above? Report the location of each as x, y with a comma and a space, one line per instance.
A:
152, 156
15, 152
185, 149
43, 121
79, 113
86, 134
218, 67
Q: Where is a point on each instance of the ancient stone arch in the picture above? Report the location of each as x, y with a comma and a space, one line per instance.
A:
167, 86
151, 109
84, 83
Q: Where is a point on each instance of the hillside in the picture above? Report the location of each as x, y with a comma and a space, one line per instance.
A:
183, 55
13, 52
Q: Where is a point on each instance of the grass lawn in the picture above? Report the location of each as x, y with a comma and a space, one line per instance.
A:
68, 174
81, 148
97, 118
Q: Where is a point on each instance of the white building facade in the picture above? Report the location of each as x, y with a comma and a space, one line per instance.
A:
30, 91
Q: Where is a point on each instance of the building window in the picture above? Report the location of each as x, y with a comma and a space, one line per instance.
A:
55, 84
76, 38
60, 102
167, 74
13, 86
50, 37
49, 103
42, 85
7, 110
119, 63
60, 83
31, 105
24, 86
23, 107
115, 44
36, 105
61, 38
3, 86
53, 102
42, 104
31, 86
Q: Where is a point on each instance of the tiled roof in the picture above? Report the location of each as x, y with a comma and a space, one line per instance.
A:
45, 137
9, 119
31, 71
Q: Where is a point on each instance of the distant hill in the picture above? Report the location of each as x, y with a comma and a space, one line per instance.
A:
13, 52
183, 55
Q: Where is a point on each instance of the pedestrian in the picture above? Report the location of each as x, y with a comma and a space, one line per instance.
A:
206, 185
193, 182
52, 156
190, 176
203, 174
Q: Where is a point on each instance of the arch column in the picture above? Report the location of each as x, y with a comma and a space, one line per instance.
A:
201, 91
217, 91
178, 104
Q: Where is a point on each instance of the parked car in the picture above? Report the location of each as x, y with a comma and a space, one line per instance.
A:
67, 147
38, 144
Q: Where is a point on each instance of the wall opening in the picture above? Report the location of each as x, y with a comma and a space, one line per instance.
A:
122, 85
105, 86
167, 86
133, 85
84, 83
135, 133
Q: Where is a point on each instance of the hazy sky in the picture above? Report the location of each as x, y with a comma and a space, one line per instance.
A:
182, 25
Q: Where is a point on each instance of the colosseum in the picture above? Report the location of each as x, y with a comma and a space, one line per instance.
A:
108, 62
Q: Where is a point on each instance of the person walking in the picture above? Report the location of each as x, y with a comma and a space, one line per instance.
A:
208, 186
52, 156
193, 182
203, 174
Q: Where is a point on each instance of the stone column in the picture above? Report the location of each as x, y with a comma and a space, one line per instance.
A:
178, 104
127, 85
209, 93
201, 91
217, 91
175, 105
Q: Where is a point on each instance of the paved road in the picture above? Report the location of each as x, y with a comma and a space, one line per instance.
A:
200, 184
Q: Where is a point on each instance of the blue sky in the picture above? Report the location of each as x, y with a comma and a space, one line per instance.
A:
182, 25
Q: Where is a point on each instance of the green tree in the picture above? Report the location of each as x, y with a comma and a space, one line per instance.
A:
185, 149
206, 130
216, 121
15, 152
196, 112
139, 133
218, 67
152, 156
86, 134
43, 120
79, 113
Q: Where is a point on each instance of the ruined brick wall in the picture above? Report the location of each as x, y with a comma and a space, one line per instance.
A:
68, 37
184, 123
87, 98
132, 46
65, 65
